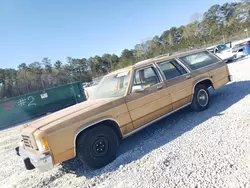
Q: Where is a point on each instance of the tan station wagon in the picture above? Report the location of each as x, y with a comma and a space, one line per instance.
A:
124, 102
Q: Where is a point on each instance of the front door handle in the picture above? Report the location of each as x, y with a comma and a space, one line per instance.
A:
159, 87
188, 76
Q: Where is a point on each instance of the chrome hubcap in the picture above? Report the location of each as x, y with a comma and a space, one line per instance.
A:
202, 97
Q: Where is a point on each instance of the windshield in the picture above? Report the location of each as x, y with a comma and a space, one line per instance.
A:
222, 47
111, 86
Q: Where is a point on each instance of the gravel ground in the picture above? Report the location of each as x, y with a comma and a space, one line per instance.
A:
186, 149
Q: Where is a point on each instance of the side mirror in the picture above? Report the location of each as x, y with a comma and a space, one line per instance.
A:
139, 90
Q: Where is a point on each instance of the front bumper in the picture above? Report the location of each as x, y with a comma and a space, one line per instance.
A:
43, 162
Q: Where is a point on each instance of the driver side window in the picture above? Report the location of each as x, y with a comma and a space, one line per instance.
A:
144, 78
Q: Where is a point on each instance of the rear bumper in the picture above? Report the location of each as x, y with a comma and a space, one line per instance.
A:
42, 163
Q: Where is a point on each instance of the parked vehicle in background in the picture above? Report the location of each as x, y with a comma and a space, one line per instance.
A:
223, 51
238, 49
124, 102
89, 91
85, 84
90, 88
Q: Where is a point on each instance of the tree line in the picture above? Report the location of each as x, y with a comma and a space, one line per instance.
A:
217, 23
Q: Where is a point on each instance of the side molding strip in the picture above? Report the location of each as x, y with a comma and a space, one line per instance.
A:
136, 130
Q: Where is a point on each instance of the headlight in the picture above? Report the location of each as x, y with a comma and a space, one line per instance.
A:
42, 145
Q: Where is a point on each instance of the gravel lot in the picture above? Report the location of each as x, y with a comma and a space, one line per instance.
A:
186, 149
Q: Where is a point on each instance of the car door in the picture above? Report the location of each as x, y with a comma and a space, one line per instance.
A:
178, 81
148, 99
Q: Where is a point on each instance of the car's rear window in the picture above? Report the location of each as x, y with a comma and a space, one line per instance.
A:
199, 60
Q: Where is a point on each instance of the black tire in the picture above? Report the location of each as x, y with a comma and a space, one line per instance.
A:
98, 146
201, 98
28, 164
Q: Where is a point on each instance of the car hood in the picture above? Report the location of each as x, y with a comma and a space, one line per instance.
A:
228, 50
83, 106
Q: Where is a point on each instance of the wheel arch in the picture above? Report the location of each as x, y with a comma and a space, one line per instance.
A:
206, 81
108, 122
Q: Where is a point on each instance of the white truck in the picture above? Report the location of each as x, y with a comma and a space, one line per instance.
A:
223, 51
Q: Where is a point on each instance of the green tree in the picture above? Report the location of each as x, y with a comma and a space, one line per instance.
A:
47, 64
127, 57
58, 64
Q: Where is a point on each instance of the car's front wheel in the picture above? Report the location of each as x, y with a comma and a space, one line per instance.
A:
97, 146
201, 98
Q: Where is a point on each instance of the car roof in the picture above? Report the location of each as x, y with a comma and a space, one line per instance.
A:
156, 59
129, 68
165, 57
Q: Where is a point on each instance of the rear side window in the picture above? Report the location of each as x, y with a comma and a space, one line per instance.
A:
171, 69
199, 60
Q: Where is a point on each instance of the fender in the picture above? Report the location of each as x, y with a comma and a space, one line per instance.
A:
201, 80
90, 125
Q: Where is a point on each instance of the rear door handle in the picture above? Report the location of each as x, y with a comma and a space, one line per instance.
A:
159, 87
188, 76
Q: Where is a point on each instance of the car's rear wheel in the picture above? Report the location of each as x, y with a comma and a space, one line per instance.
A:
201, 98
97, 146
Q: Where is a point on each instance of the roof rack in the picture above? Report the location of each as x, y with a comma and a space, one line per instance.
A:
146, 60
164, 55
